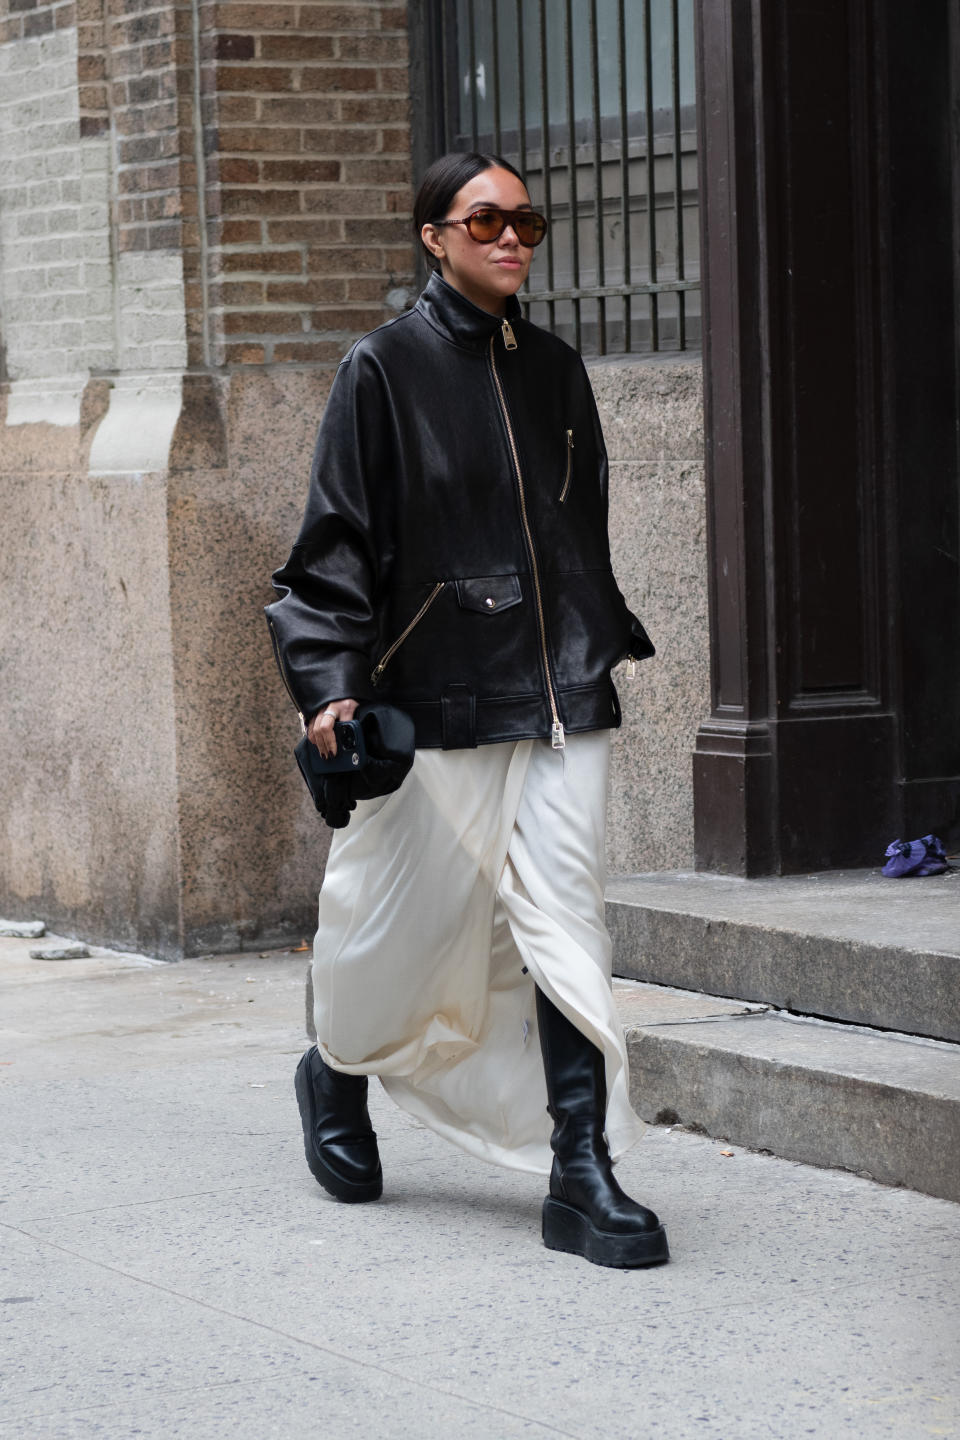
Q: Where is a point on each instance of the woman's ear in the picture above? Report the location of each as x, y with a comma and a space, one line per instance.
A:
431, 240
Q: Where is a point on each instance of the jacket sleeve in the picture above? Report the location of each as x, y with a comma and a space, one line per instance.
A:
324, 622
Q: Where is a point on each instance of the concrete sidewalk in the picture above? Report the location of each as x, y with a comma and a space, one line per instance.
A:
170, 1268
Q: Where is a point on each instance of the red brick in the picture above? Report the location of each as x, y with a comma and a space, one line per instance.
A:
92, 97
353, 141
274, 78
334, 79
292, 110
393, 17
240, 232
237, 108
300, 172
283, 262
235, 47
296, 47
359, 320
268, 138
261, 322
384, 49
399, 259
243, 17
329, 350
377, 230
260, 202
244, 354
238, 172
305, 232
237, 292
341, 260
376, 172
340, 201
395, 142
163, 237
307, 292
375, 110
335, 18
367, 287
400, 202
394, 79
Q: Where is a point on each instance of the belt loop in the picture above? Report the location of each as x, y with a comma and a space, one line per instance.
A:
458, 708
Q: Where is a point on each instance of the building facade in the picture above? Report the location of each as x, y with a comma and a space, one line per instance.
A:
203, 204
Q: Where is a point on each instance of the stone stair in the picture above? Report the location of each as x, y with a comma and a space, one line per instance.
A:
817, 1017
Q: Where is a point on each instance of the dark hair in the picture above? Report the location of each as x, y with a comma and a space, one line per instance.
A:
445, 177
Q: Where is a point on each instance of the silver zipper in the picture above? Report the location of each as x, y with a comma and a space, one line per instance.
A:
557, 737
388, 655
283, 675
567, 477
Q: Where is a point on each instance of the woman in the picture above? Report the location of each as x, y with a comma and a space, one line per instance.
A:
454, 561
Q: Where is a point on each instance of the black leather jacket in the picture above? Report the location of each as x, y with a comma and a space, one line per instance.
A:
453, 558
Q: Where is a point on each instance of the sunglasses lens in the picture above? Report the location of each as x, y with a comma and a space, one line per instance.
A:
530, 229
486, 225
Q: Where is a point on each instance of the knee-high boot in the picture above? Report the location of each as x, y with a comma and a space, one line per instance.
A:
586, 1212
339, 1141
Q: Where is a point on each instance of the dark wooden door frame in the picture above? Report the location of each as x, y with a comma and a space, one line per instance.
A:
796, 767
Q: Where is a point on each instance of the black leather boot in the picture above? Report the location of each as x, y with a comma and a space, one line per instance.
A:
339, 1141
586, 1212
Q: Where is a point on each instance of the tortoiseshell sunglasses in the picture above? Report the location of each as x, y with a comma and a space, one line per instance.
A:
488, 224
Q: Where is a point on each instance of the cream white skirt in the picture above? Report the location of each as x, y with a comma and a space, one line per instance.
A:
441, 905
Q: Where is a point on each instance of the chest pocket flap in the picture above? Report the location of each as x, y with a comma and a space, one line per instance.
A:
489, 593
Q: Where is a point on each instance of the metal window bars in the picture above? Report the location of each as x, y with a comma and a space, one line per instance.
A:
593, 101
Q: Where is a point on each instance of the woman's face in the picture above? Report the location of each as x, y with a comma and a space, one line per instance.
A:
486, 274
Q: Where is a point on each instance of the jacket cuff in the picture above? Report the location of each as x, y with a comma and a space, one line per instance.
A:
641, 646
347, 677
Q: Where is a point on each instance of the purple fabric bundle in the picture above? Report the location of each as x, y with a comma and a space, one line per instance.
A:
915, 857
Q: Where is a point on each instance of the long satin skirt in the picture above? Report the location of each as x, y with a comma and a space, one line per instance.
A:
441, 905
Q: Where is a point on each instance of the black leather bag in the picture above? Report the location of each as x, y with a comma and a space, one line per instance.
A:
374, 754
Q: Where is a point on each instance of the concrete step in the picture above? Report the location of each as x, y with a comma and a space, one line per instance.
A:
884, 1105
843, 945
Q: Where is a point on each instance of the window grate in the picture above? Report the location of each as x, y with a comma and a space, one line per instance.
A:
593, 101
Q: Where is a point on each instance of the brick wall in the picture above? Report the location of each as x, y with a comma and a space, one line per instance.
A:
241, 200
312, 158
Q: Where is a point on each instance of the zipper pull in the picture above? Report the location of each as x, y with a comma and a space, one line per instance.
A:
303, 723
375, 675
569, 439
509, 339
557, 737
631, 669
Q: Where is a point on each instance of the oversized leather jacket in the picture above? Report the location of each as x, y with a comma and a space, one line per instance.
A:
453, 558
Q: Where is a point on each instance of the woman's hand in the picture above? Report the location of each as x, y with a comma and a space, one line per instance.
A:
320, 729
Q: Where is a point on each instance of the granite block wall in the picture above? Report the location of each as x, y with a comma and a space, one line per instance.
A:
652, 415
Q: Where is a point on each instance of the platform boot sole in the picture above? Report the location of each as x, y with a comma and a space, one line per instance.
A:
569, 1229
335, 1184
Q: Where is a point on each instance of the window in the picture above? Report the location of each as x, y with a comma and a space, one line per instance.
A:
593, 101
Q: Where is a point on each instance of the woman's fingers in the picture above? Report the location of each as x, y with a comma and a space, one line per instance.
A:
320, 730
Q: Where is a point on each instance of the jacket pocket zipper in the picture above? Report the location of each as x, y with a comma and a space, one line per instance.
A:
569, 474
283, 675
388, 655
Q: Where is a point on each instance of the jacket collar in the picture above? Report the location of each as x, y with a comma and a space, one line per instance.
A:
456, 317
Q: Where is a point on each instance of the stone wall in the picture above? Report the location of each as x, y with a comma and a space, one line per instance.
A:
652, 415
